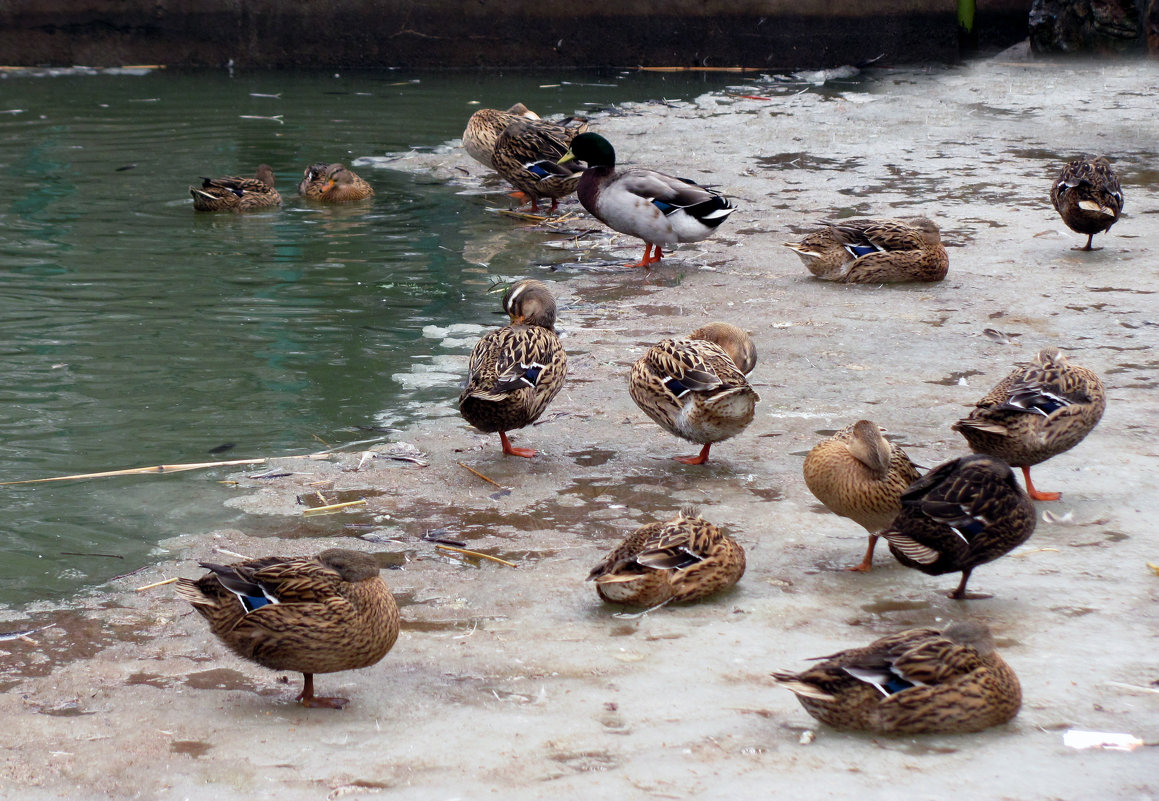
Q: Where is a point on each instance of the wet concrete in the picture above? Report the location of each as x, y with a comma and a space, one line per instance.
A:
517, 682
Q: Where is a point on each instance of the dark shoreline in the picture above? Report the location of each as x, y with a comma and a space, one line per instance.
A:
449, 34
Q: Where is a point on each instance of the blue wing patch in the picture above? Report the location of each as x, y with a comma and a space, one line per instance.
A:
674, 386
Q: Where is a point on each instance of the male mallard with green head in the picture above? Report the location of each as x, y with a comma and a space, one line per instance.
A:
680, 560
660, 209
1088, 197
1041, 409
920, 681
232, 193
309, 615
857, 473
515, 372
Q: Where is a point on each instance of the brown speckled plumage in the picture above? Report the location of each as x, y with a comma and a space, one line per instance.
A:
684, 559
484, 127
1088, 197
526, 156
693, 388
823, 253
1041, 409
858, 474
237, 194
319, 615
963, 513
333, 183
868, 251
515, 372
915, 682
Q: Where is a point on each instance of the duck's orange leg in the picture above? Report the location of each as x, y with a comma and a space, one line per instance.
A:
1089, 244
648, 259
1035, 494
508, 449
700, 458
308, 699
867, 562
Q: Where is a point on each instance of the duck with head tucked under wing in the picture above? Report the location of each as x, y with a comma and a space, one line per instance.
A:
1041, 409
237, 194
920, 681
680, 560
963, 513
1088, 197
660, 209
333, 183
323, 614
515, 371
868, 251
859, 474
694, 387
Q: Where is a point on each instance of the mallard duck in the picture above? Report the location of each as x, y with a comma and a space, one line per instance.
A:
309, 615
684, 559
864, 251
515, 371
1043, 408
484, 127
658, 208
858, 474
333, 183
694, 389
237, 194
525, 156
1088, 197
963, 513
915, 682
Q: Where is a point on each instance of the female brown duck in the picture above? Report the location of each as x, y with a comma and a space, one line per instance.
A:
1088, 197
857, 473
961, 514
1043, 408
915, 682
516, 370
333, 183
329, 613
697, 388
237, 194
683, 559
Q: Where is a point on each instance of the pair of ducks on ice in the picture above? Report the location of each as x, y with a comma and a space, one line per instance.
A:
1087, 196
539, 158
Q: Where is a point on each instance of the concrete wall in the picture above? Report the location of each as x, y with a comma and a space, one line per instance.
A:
493, 33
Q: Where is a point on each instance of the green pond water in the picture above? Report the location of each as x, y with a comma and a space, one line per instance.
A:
135, 332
